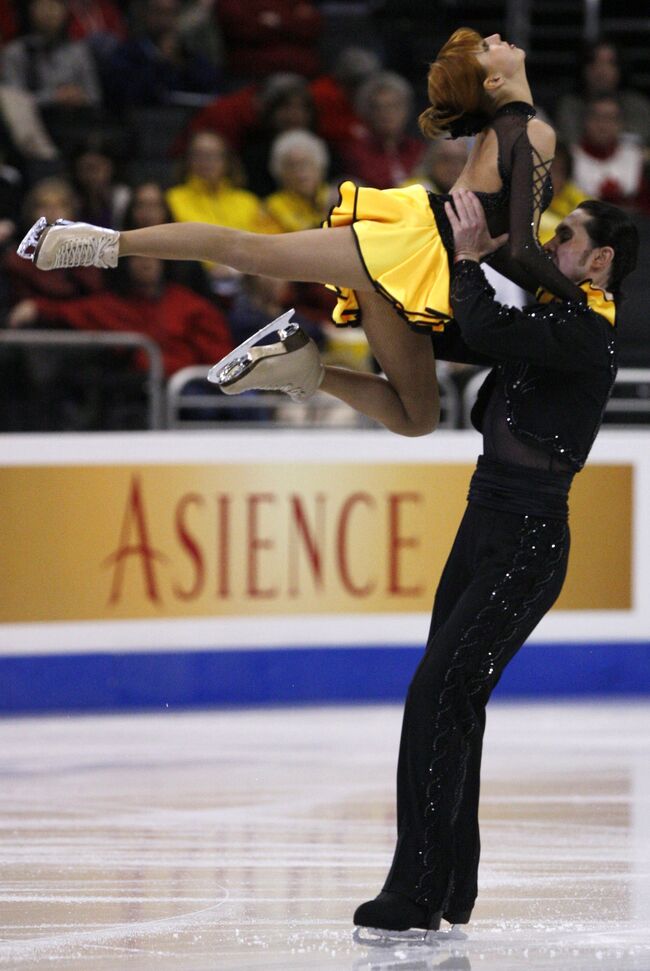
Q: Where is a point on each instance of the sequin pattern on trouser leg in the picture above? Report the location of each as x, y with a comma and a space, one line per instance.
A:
506, 596
510, 602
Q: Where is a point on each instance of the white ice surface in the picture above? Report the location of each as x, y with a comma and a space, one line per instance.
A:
244, 840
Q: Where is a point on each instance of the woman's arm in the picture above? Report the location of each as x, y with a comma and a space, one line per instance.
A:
530, 163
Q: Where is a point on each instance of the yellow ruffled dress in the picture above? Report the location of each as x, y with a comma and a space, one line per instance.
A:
401, 250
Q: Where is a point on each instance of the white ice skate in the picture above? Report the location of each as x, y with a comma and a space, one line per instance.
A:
292, 365
62, 244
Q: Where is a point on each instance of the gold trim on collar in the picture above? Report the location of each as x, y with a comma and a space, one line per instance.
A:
598, 300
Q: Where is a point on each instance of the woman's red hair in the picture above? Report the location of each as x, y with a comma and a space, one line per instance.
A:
455, 86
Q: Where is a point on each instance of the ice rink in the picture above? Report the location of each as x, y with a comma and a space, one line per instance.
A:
244, 840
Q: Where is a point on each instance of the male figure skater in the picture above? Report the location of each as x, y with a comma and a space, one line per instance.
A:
539, 409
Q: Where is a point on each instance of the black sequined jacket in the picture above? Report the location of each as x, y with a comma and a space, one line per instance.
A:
557, 362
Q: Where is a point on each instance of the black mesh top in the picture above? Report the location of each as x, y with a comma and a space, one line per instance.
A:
525, 192
501, 444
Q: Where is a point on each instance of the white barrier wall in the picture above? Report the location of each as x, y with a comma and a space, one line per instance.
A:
301, 551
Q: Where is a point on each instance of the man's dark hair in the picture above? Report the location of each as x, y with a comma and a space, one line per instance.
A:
610, 226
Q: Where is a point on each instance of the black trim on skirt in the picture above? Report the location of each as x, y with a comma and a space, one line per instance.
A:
520, 489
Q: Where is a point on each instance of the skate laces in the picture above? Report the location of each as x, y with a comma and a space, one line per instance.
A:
82, 251
76, 252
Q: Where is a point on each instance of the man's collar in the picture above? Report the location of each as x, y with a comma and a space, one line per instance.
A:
598, 300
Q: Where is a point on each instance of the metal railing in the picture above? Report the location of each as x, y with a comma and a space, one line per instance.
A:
210, 408
154, 380
630, 400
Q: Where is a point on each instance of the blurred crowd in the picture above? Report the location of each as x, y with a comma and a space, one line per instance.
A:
129, 114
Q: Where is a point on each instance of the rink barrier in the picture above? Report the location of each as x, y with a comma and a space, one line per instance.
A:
204, 679
192, 570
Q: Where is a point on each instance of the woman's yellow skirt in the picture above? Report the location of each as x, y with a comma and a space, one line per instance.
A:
401, 250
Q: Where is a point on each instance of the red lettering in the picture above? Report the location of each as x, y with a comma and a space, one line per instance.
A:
223, 551
397, 542
141, 548
191, 546
357, 498
313, 542
256, 544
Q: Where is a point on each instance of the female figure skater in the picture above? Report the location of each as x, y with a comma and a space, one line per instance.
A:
385, 252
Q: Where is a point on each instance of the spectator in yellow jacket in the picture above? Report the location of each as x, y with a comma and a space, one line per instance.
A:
208, 195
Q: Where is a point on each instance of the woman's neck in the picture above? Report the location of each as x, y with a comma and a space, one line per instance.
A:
514, 91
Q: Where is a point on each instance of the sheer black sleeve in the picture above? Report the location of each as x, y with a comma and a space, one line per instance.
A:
528, 175
502, 262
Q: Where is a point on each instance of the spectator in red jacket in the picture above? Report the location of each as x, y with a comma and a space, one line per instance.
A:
334, 94
96, 18
383, 155
606, 164
231, 115
249, 120
188, 329
236, 114
262, 37
285, 104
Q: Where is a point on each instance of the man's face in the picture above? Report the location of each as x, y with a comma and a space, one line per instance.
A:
572, 249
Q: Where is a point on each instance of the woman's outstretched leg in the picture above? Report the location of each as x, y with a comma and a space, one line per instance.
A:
309, 256
312, 255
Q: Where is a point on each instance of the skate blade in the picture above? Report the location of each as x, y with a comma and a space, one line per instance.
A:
453, 934
28, 246
376, 937
221, 371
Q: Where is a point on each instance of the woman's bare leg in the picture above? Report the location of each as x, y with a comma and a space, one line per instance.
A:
309, 256
406, 400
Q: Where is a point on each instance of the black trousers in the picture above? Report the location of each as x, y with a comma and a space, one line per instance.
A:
504, 572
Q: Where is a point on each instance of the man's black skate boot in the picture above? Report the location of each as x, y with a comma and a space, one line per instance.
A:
392, 912
458, 916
